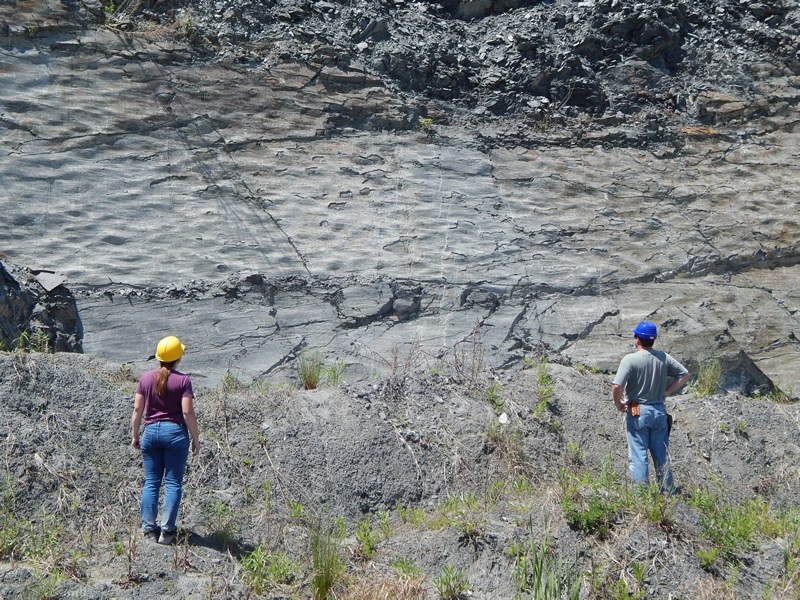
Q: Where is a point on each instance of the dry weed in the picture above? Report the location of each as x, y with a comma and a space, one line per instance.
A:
377, 587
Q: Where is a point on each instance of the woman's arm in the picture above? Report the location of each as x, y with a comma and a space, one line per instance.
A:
191, 423
136, 419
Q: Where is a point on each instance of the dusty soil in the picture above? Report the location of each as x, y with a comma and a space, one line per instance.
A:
435, 442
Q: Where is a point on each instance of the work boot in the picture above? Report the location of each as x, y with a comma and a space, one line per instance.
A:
167, 537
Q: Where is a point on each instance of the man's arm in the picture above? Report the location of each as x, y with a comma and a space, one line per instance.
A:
618, 393
676, 384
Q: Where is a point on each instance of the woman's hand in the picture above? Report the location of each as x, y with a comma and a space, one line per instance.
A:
135, 443
195, 447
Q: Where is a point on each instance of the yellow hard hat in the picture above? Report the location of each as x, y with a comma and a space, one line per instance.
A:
169, 349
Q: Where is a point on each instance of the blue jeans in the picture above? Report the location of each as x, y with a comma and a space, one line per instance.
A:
646, 432
165, 448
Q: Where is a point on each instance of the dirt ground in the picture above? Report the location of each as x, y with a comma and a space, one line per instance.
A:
455, 468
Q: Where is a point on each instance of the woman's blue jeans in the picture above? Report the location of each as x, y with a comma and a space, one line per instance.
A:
165, 448
646, 432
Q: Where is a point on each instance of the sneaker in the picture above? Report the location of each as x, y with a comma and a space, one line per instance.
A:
151, 534
167, 537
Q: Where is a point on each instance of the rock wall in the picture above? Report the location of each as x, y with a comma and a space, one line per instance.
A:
260, 210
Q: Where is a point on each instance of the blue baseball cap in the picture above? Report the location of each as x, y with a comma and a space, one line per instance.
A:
646, 330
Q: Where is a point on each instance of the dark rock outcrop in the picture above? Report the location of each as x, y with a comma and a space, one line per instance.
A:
36, 303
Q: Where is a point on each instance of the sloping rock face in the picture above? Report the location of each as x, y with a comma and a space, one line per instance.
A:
265, 206
36, 302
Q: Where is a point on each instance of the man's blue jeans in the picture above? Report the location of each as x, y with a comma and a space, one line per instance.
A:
646, 432
165, 448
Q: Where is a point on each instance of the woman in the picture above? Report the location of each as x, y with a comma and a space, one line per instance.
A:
164, 397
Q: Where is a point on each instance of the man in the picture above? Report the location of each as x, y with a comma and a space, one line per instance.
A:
642, 377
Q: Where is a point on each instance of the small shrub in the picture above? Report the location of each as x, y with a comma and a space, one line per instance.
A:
653, 505
384, 525
544, 386
574, 453
309, 369
470, 527
262, 569
451, 584
731, 527
708, 558
221, 522
707, 380
493, 394
296, 510
367, 539
230, 383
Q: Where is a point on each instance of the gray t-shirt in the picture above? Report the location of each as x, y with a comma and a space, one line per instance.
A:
644, 375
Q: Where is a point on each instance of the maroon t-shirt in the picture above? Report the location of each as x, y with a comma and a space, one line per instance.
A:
170, 408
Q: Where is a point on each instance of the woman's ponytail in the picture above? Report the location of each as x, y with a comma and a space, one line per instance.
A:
161, 378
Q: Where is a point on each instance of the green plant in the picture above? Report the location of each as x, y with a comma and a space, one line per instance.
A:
707, 558
309, 368
439, 369
230, 383
555, 426
451, 584
411, 516
453, 503
296, 510
620, 591
262, 569
367, 539
46, 584
188, 25
574, 453
221, 522
384, 525
731, 527
493, 394
30, 30
426, 124
543, 124
522, 485
109, 8
707, 379
327, 564
543, 577
335, 373
38, 341
779, 396
590, 504
404, 566
470, 527
653, 505
544, 386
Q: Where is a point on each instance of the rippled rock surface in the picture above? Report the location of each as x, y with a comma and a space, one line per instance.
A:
260, 208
